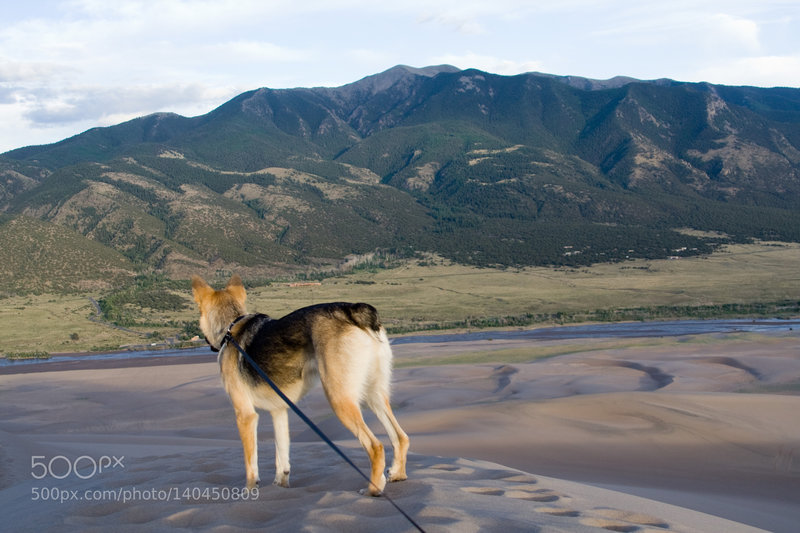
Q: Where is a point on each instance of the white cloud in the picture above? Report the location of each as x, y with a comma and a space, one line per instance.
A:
27, 71
732, 33
246, 51
762, 71
487, 63
458, 22
98, 103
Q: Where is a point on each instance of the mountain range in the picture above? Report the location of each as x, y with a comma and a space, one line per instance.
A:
533, 169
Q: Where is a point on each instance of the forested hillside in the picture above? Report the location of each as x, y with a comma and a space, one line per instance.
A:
480, 168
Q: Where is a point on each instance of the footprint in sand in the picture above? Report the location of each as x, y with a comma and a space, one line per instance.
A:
610, 525
619, 520
448, 468
525, 487
519, 487
485, 491
540, 495
521, 478
558, 511
455, 469
518, 493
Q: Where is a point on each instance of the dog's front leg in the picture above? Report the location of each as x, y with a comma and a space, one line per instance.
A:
247, 422
280, 421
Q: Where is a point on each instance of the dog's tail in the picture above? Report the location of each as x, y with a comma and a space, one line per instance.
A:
364, 316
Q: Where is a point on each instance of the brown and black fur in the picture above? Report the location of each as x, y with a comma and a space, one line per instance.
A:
343, 344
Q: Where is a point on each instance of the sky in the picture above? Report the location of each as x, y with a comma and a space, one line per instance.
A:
70, 65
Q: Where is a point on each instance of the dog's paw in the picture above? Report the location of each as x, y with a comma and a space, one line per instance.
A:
374, 490
397, 476
370, 491
282, 480
253, 484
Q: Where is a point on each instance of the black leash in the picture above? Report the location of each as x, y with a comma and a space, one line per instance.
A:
309, 423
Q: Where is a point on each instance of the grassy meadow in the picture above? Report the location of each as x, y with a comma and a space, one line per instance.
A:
432, 293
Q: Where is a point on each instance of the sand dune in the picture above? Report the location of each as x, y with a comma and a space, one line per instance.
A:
493, 445
173, 491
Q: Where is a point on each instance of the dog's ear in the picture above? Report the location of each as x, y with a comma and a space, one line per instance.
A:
235, 288
200, 289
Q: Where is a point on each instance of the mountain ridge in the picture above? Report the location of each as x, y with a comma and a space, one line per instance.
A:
478, 167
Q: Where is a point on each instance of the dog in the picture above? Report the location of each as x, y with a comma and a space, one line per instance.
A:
342, 344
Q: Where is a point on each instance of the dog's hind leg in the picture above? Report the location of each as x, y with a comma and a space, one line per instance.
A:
345, 366
377, 398
379, 403
247, 421
349, 413
280, 421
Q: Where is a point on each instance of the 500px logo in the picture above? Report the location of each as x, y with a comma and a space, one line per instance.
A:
84, 467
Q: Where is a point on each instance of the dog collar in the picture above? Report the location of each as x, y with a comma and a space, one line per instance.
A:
227, 336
